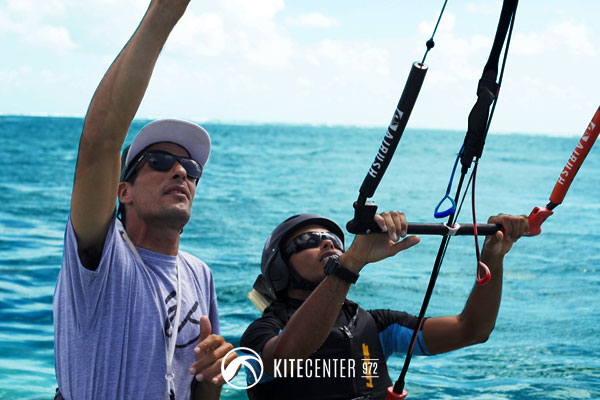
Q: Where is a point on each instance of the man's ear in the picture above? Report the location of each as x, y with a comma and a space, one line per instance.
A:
124, 192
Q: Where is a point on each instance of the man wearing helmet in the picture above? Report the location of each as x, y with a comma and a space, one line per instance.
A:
311, 331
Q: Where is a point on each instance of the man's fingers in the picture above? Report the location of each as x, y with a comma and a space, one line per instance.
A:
211, 349
395, 222
208, 345
205, 327
381, 223
209, 367
499, 235
389, 223
524, 224
513, 226
405, 244
399, 223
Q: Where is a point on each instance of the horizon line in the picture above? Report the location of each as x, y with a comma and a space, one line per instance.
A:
287, 123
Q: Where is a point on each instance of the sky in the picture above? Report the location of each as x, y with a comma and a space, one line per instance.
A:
328, 62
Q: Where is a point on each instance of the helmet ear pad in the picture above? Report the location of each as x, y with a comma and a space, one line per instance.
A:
276, 273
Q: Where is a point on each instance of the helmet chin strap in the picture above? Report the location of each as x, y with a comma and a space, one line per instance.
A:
298, 282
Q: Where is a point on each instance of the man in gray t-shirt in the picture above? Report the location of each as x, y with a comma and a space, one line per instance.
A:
134, 316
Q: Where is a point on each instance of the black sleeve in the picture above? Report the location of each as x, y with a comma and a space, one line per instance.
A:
261, 331
385, 318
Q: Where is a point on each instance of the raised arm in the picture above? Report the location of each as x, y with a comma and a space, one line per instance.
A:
477, 320
107, 121
312, 322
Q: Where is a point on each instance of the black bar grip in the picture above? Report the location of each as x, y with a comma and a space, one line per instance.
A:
395, 129
457, 229
436, 229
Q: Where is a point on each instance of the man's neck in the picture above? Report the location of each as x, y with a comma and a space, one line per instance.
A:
159, 240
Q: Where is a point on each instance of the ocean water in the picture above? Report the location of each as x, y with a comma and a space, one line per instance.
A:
545, 344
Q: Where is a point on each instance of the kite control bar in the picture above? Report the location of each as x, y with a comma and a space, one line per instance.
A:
365, 219
452, 230
539, 214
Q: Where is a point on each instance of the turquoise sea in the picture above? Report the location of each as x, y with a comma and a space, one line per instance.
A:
545, 345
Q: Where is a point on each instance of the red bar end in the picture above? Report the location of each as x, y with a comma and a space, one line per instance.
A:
536, 219
391, 395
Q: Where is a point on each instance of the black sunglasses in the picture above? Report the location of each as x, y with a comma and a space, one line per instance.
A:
160, 160
310, 240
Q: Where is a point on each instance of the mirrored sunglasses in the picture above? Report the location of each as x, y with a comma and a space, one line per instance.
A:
310, 240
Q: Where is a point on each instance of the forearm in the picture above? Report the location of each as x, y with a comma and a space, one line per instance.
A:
121, 90
477, 320
481, 310
312, 322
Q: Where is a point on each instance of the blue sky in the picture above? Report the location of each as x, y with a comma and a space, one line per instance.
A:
315, 62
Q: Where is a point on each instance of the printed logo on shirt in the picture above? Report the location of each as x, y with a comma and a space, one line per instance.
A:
189, 318
252, 363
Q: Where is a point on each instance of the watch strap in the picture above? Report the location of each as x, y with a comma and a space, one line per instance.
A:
333, 267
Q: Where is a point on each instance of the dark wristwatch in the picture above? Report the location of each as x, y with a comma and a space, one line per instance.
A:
333, 267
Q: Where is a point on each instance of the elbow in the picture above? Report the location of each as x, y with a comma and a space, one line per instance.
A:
474, 332
477, 335
481, 338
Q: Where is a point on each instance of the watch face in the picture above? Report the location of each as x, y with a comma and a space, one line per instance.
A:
331, 265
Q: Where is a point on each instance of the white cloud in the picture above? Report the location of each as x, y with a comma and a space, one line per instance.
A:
203, 34
7, 24
56, 37
485, 8
353, 56
565, 37
312, 20
136, 4
304, 81
36, 8
14, 77
26, 20
461, 56
447, 24
253, 33
265, 46
253, 11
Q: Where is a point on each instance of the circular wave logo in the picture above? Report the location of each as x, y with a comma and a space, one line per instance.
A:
253, 364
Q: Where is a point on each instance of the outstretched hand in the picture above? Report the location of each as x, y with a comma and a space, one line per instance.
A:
209, 353
513, 227
375, 247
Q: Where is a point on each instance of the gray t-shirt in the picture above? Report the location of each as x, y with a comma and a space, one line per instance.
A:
108, 333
